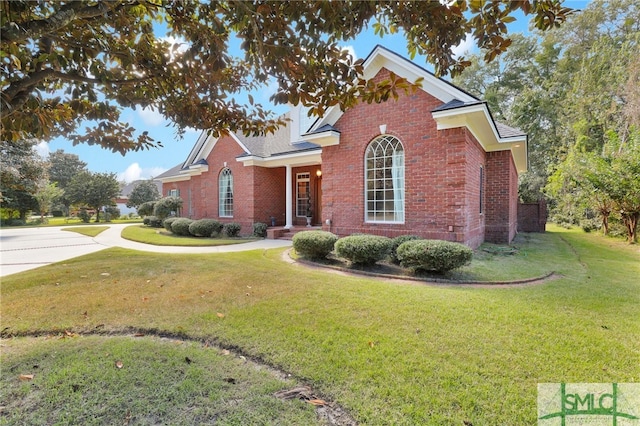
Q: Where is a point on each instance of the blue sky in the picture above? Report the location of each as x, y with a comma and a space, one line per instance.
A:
150, 163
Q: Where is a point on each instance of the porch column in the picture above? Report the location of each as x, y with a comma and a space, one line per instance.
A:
289, 199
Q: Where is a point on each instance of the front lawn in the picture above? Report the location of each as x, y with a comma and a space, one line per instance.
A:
389, 352
162, 237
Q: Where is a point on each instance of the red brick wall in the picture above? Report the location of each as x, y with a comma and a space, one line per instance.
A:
200, 193
441, 172
501, 197
269, 194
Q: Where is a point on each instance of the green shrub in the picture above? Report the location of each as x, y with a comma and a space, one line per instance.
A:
167, 223
111, 213
152, 221
433, 255
180, 226
395, 243
205, 228
260, 229
84, 215
589, 225
146, 209
314, 244
363, 249
232, 229
167, 206
57, 213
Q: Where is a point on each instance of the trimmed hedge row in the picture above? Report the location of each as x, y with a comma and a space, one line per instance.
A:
197, 228
410, 251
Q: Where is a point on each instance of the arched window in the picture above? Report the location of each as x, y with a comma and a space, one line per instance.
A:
384, 180
225, 193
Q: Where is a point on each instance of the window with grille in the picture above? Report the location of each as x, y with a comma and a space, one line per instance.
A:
225, 193
384, 180
303, 194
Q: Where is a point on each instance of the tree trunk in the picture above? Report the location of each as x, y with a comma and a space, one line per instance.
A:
605, 223
631, 222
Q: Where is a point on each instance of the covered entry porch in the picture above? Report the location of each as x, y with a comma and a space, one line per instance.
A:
302, 186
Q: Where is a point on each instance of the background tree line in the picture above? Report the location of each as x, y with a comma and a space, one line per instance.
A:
575, 90
59, 183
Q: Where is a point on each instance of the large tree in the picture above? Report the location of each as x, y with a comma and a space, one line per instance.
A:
45, 195
68, 62
63, 167
95, 190
21, 168
144, 191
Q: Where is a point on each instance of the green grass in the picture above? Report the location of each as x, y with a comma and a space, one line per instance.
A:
89, 231
160, 381
161, 237
389, 352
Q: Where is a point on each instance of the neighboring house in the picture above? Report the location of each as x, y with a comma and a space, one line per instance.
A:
432, 163
123, 198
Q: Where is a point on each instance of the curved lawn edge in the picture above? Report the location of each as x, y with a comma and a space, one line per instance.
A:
327, 411
160, 239
433, 281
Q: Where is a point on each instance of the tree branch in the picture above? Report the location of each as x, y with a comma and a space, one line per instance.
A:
34, 29
18, 92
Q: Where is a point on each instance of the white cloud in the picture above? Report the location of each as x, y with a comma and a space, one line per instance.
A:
42, 149
135, 172
150, 116
465, 46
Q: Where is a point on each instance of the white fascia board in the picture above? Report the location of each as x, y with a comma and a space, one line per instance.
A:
243, 146
196, 169
295, 159
196, 149
402, 67
170, 179
328, 138
476, 118
382, 58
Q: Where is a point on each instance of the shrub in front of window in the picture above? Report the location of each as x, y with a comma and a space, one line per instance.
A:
180, 226
166, 206
152, 221
205, 228
433, 255
260, 229
314, 244
167, 223
232, 229
363, 249
395, 243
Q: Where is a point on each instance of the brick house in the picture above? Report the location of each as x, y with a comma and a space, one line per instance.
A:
432, 163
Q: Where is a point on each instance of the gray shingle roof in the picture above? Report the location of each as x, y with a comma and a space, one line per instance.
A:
507, 131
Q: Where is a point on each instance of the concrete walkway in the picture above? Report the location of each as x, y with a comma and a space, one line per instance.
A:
22, 249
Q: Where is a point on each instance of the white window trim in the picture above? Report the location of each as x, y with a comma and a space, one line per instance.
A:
300, 177
366, 210
220, 198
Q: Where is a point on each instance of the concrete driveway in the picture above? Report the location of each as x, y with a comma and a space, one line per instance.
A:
22, 249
